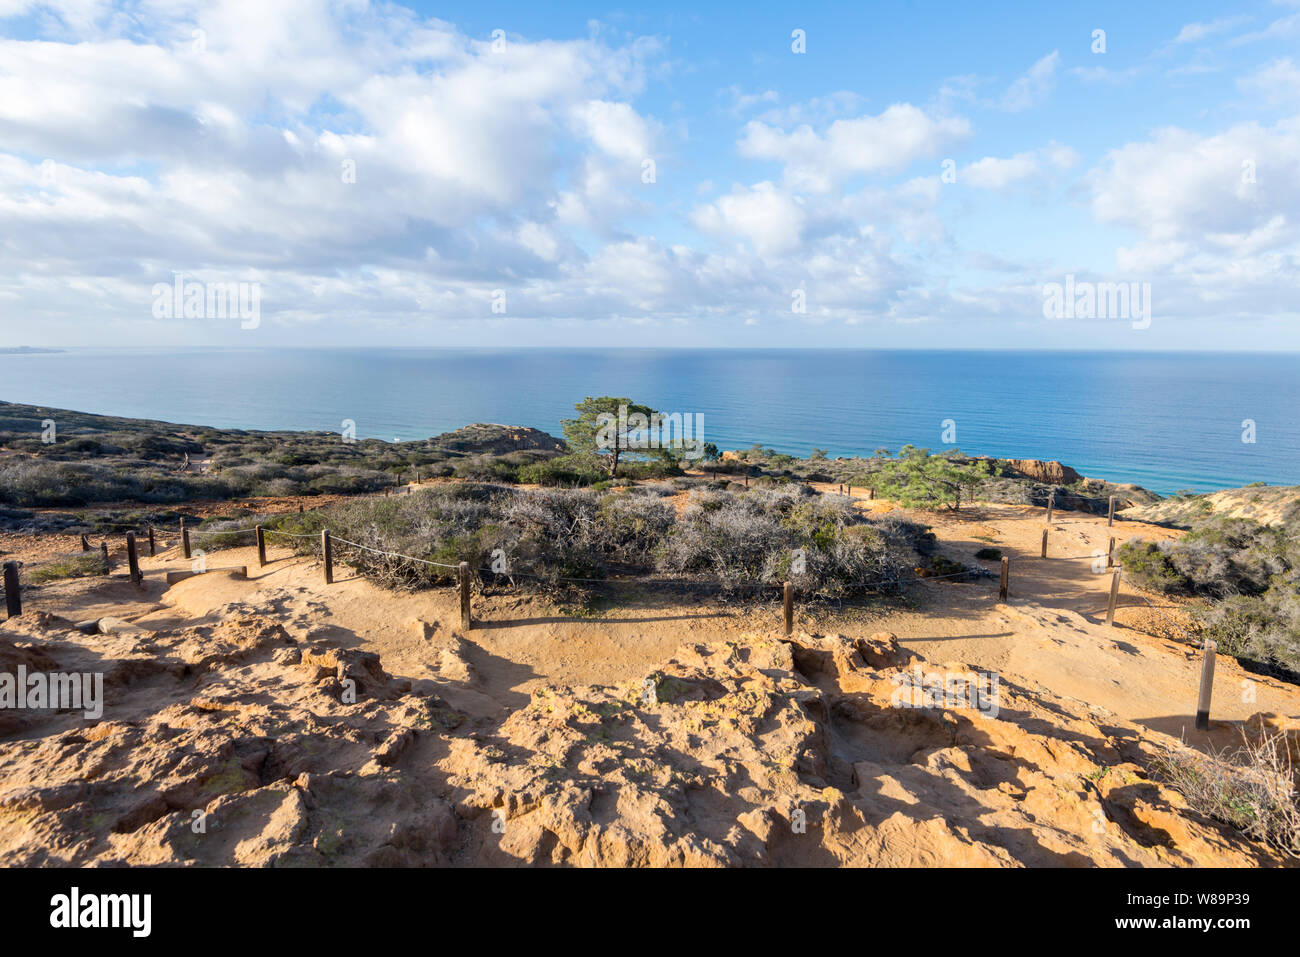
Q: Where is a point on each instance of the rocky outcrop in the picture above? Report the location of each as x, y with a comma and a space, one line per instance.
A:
1047, 472
483, 438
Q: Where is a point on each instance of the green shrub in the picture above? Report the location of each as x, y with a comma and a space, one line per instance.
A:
77, 566
568, 471
1147, 566
1250, 575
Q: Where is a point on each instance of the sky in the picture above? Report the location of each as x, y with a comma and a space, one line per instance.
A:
765, 175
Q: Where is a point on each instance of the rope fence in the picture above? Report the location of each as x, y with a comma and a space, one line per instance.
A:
465, 573
328, 541
323, 544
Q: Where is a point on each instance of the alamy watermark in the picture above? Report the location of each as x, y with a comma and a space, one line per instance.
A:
58, 691
180, 299
133, 912
946, 689
637, 432
1099, 300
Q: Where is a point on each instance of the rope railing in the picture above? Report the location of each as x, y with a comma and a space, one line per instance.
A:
753, 585
1180, 626
641, 580
409, 558
322, 547
276, 531
55, 558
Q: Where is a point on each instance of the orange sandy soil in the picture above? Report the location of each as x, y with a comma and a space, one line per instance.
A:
533, 738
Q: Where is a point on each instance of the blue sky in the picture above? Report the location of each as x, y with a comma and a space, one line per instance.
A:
500, 193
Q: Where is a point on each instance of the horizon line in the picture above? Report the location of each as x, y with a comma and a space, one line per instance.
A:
657, 348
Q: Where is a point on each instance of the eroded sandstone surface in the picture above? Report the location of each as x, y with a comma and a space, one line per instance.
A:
244, 742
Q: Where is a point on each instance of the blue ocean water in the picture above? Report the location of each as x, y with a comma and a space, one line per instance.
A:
1165, 421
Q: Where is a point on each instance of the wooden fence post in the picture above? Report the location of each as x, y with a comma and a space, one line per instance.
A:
1110, 554
788, 602
850, 491
152, 545
13, 597
1006, 575
261, 547
466, 619
327, 555
132, 559
871, 494
1114, 597
185, 539
1110, 514
85, 543
1051, 503
746, 480
108, 564
1044, 543
1207, 686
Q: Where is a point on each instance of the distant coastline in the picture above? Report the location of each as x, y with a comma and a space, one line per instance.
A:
1165, 422
27, 350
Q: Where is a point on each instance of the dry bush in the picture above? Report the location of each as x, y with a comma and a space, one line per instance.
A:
757, 539
1254, 788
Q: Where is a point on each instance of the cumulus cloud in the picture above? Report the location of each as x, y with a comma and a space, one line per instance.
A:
889, 141
1218, 216
377, 169
1183, 185
307, 140
996, 173
769, 217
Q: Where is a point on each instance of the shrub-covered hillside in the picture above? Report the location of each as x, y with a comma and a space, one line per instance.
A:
1248, 574
96, 458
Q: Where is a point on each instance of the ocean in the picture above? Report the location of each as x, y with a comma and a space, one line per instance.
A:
1165, 421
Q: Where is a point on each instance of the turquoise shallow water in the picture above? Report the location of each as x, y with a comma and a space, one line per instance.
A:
1166, 421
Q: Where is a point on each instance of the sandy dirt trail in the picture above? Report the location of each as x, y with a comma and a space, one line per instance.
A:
1051, 631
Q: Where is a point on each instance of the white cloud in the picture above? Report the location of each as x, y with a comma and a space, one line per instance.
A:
996, 173
1035, 86
770, 218
521, 169
457, 151
888, 142
617, 129
1196, 32
1282, 28
1277, 82
1182, 185
742, 102
1217, 216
